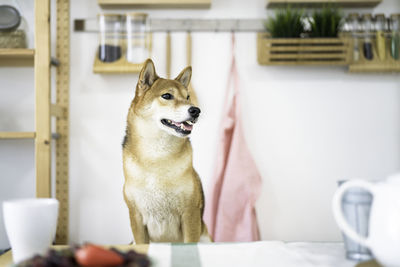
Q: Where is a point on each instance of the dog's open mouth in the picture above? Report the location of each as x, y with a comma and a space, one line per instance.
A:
184, 127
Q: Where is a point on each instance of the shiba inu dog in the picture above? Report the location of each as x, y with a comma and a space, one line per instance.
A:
162, 190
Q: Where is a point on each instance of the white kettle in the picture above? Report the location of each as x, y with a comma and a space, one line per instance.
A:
384, 222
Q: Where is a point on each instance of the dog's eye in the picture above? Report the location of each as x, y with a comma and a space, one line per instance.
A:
167, 96
187, 98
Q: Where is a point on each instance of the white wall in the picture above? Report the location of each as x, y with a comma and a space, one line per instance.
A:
307, 127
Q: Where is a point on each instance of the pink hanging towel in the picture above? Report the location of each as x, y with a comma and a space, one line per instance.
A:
229, 211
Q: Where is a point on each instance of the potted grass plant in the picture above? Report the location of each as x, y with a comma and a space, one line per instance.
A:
325, 23
287, 23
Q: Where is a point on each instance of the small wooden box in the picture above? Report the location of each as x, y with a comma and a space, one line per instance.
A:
302, 51
389, 64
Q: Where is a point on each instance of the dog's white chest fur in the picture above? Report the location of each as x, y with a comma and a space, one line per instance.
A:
157, 203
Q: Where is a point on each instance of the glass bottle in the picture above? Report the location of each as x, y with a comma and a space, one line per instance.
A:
353, 21
137, 50
380, 27
395, 41
110, 37
367, 28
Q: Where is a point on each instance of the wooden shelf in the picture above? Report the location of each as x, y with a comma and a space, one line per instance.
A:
17, 135
319, 3
16, 57
154, 3
118, 67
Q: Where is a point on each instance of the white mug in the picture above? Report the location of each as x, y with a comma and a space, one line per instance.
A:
384, 222
30, 225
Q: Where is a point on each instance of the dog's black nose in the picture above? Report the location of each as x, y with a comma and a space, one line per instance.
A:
194, 112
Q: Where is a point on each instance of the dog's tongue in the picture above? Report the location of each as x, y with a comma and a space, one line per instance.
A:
183, 125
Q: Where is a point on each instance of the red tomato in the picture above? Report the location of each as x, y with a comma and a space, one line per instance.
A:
95, 256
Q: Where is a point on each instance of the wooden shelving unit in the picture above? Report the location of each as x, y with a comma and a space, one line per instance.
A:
154, 3
40, 59
17, 135
17, 57
319, 3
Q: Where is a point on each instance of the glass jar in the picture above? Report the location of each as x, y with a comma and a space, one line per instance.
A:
353, 21
380, 28
367, 28
110, 48
395, 41
137, 28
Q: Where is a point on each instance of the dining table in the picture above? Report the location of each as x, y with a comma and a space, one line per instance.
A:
254, 254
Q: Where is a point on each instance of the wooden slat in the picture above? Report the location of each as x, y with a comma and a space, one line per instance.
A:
168, 55
305, 63
307, 48
154, 3
119, 66
17, 135
16, 57
374, 67
305, 41
62, 122
309, 56
16, 53
319, 3
42, 98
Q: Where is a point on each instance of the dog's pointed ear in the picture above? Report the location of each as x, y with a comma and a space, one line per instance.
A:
147, 76
184, 76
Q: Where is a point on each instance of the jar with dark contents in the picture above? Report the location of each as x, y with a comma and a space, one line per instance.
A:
395, 31
380, 28
367, 28
110, 48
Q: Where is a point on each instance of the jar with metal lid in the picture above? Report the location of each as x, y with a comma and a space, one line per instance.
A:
395, 30
137, 29
111, 29
354, 27
380, 28
367, 28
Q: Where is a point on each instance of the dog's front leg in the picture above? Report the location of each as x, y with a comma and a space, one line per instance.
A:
191, 226
139, 230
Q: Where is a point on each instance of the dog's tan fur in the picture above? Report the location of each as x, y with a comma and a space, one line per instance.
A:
162, 190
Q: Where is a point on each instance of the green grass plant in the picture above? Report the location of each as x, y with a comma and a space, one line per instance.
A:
287, 23
326, 22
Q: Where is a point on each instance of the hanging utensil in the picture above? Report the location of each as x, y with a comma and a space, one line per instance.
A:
168, 55
192, 92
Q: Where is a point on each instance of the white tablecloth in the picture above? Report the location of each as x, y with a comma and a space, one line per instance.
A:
263, 253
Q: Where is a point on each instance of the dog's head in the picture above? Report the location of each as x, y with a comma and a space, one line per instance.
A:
166, 102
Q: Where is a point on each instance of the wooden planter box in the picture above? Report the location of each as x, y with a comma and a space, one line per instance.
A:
302, 51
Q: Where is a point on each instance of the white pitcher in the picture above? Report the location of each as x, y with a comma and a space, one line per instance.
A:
384, 223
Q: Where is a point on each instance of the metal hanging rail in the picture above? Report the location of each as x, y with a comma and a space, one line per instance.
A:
185, 25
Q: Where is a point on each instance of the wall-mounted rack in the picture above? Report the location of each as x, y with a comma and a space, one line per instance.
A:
154, 3
185, 25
